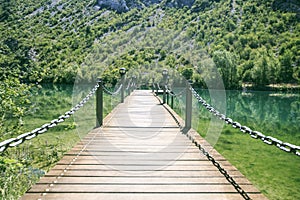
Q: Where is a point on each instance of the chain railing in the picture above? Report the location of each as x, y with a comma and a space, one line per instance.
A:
13, 142
284, 146
99, 88
172, 93
120, 90
107, 91
185, 130
100, 100
229, 178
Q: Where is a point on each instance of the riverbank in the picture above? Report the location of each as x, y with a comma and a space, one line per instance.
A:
288, 87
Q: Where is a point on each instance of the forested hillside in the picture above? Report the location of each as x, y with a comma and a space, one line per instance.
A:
55, 41
251, 42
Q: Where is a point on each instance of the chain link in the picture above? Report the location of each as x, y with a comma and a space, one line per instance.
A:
158, 86
13, 142
220, 168
284, 146
106, 90
173, 94
210, 158
131, 84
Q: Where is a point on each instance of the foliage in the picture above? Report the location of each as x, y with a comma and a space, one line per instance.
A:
49, 42
65, 41
14, 104
273, 171
22, 166
14, 177
226, 63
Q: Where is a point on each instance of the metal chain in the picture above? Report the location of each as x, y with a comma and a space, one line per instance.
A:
153, 86
106, 90
172, 93
157, 86
13, 142
173, 116
130, 84
287, 147
210, 158
221, 169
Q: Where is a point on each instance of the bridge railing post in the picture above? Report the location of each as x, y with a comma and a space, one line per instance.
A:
99, 104
153, 85
188, 108
165, 77
122, 72
128, 91
164, 94
168, 97
172, 101
129, 87
134, 79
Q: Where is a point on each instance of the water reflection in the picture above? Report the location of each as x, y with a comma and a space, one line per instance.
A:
275, 114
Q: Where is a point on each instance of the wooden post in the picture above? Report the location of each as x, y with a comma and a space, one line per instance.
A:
168, 98
165, 77
129, 87
122, 72
133, 83
99, 104
152, 85
172, 101
164, 94
128, 91
122, 89
188, 108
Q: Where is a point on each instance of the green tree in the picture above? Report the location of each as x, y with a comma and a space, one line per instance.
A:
264, 70
227, 66
187, 73
286, 69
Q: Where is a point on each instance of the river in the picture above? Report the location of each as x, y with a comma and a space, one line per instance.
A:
274, 114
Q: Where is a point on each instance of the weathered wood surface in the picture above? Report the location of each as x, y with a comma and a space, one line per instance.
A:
139, 153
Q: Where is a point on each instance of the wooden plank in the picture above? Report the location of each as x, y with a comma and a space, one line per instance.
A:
140, 180
144, 163
140, 196
139, 172
165, 168
133, 150
140, 188
140, 153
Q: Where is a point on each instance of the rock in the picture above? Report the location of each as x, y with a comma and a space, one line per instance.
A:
180, 3
118, 5
125, 5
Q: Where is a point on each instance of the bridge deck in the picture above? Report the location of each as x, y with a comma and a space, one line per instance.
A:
139, 153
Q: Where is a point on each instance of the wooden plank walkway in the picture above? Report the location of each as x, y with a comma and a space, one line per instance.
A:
139, 153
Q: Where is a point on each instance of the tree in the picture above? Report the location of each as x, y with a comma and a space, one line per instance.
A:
226, 64
286, 69
264, 70
187, 73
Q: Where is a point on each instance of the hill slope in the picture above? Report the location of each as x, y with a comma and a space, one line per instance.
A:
62, 41
46, 41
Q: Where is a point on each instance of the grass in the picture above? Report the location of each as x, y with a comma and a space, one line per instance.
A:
274, 172
22, 166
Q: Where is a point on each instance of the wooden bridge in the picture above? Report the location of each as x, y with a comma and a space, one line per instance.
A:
140, 153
